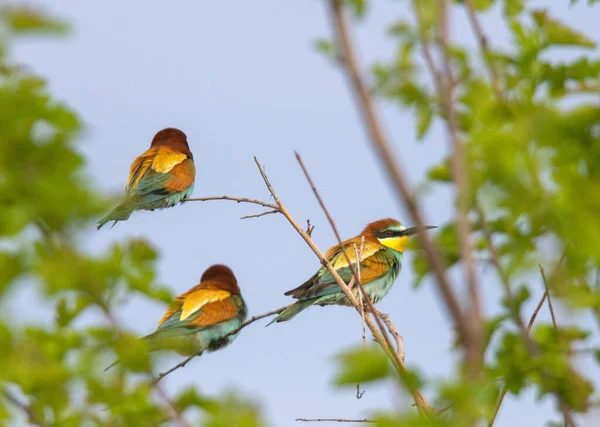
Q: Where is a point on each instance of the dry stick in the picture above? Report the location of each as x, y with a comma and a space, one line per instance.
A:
235, 331
28, 410
530, 344
333, 420
421, 402
380, 141
474, 353
483, 46
355, 271
233, 199
361, 299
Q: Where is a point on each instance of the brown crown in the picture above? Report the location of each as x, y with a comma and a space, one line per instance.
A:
375, 226
173, 138
222, 274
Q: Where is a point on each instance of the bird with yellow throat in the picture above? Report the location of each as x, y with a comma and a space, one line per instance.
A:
160, 178
380, 263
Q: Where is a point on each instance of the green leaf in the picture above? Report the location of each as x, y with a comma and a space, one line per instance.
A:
26, 20
424, 118
358, 7
362, 365
559, 34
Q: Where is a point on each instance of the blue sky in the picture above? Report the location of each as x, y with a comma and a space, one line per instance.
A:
241, 79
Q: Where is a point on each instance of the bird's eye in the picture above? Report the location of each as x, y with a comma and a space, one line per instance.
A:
389, 233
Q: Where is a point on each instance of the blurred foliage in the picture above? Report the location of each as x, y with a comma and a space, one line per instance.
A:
530, 126
51, 366
533, 159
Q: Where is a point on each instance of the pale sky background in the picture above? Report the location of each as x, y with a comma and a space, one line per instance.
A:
241, 79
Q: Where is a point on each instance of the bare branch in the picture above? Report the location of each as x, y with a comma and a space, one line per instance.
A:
356, 276
274, 211
233, 199
382, 147
397, 337
333, 420
235, 331
33, 418
309, 228
383, 340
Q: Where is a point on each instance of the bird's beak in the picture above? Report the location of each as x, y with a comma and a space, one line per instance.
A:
414, 230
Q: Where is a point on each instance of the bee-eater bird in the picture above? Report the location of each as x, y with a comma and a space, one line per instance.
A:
205, 316
159, 178
380, 263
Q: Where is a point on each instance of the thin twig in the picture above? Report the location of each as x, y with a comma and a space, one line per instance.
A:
333, 420
550, 306
530, 344
361, 299
233, 199
445, 87
176, 417
309, 228
483, 46
397, 337
356, 275
382, 146
505, 388
235, 331
28, 410
274, 211
420, 400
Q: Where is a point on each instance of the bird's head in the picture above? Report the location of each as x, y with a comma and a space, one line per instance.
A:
392, 234
221, 276
172, 137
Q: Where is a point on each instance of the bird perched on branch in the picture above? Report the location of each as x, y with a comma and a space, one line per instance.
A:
380, 263
204, 317
159, 178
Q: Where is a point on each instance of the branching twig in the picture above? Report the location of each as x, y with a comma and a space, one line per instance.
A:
505, 388
233, 199
235, 331
550, 306
332, 420
28, 410
274, 211
524, 331
383, 340
380, 141
382, 337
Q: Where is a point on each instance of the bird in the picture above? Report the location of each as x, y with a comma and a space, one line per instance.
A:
160, 178
204, 318
381, 260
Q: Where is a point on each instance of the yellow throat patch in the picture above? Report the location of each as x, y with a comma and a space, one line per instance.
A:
398, 244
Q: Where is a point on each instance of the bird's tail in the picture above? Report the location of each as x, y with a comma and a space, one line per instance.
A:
293, 310
120, 213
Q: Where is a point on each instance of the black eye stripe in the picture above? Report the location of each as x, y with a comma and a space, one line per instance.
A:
388, 233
